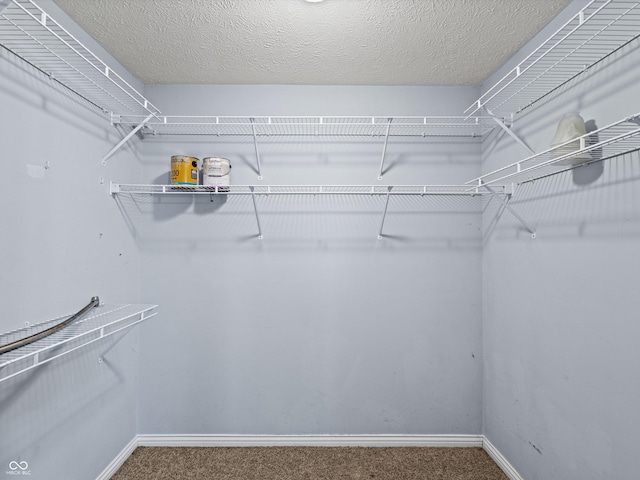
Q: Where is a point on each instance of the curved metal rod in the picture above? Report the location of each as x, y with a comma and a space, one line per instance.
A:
95, 301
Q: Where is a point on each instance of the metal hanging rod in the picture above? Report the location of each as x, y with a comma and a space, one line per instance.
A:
95, 301
601, 28
103, 322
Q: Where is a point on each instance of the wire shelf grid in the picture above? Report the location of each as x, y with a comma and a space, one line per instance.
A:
291, 126
30, 33
598, 30
616, 139
99, 323
267, 190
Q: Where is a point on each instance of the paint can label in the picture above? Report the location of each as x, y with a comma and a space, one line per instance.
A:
184, 170
216, 171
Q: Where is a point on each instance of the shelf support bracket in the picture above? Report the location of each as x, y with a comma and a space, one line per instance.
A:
506, 205
114, 188
255, 146
255, 208
126, 139
510, 132
384, 149
384, 213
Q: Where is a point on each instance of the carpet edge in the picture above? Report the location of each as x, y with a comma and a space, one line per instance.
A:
311, 440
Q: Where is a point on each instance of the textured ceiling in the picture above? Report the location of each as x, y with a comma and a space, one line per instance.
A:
335, 42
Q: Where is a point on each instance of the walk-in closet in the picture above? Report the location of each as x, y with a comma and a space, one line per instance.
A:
406, 225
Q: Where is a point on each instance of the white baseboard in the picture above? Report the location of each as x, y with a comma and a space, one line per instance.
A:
500, 459
117, 462
311, 441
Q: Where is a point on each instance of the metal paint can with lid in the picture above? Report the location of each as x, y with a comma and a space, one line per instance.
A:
184, 170
216, 172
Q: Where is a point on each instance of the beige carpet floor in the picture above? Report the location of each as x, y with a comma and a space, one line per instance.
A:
309, 463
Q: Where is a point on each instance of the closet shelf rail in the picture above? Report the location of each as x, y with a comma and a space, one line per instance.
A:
384, 192
31, 34
292, 126
600, 29
337, 190
103, 321
619, 138
260, 128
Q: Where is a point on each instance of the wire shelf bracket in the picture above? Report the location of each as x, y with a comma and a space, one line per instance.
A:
384, 213
255, 146
509, 131
104, 321
384, 149
255, 208
505, 204
126, 138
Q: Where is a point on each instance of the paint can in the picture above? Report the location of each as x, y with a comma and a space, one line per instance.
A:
184, 170
216, 172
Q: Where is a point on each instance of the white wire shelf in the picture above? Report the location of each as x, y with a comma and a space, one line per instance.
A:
598, 30
266, 190
385, 192
99, 323
291, 126
30, 33
614, 140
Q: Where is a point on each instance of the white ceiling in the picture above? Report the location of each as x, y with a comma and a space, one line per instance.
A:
335, 42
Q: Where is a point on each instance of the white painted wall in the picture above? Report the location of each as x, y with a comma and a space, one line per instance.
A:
320, 327
63, 241
560, 326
